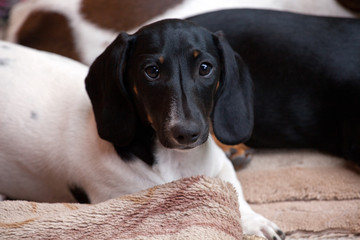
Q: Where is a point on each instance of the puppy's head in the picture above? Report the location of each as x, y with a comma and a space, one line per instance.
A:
175, 77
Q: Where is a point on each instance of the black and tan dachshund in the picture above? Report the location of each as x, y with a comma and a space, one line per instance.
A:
151, 100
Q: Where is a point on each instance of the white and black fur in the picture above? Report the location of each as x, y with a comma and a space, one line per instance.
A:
50, 148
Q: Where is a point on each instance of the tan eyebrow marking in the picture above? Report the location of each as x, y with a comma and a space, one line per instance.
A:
135, 90
149, 118
161, 59
196, 53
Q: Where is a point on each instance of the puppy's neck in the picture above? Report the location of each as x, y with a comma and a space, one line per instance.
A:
185, 163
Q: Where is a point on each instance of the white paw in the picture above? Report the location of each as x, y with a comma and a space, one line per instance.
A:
255, 224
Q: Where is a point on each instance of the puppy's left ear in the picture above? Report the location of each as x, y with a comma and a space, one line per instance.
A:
232, 116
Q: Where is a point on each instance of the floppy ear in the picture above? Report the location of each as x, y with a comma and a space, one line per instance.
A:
232, 116
105, 84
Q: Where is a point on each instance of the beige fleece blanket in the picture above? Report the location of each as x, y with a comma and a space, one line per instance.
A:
192, 208
308, 194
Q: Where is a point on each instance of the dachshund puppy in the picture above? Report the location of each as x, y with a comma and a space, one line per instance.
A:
153, 96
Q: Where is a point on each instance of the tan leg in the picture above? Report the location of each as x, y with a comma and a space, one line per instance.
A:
240, 155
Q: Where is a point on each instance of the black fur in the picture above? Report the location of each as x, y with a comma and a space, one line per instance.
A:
132, 109
114, 112
141, 146
116, 118
79, 194
229, 119
306, 72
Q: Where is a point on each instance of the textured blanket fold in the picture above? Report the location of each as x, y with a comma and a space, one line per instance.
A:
191, 208
308, 194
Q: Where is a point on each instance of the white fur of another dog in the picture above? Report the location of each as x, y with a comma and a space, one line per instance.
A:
90, 40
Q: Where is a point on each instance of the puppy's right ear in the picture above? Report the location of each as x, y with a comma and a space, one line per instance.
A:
105, 84
232, 116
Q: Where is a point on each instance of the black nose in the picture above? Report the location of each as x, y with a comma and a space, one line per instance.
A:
186, 133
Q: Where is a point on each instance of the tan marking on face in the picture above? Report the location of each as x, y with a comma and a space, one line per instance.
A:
161, 59
217, 85
135, 90
149, 119
196, 53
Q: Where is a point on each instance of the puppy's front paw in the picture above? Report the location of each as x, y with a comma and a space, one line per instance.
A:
255, 224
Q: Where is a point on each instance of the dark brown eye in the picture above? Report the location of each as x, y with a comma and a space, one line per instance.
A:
152, 72
205, 69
